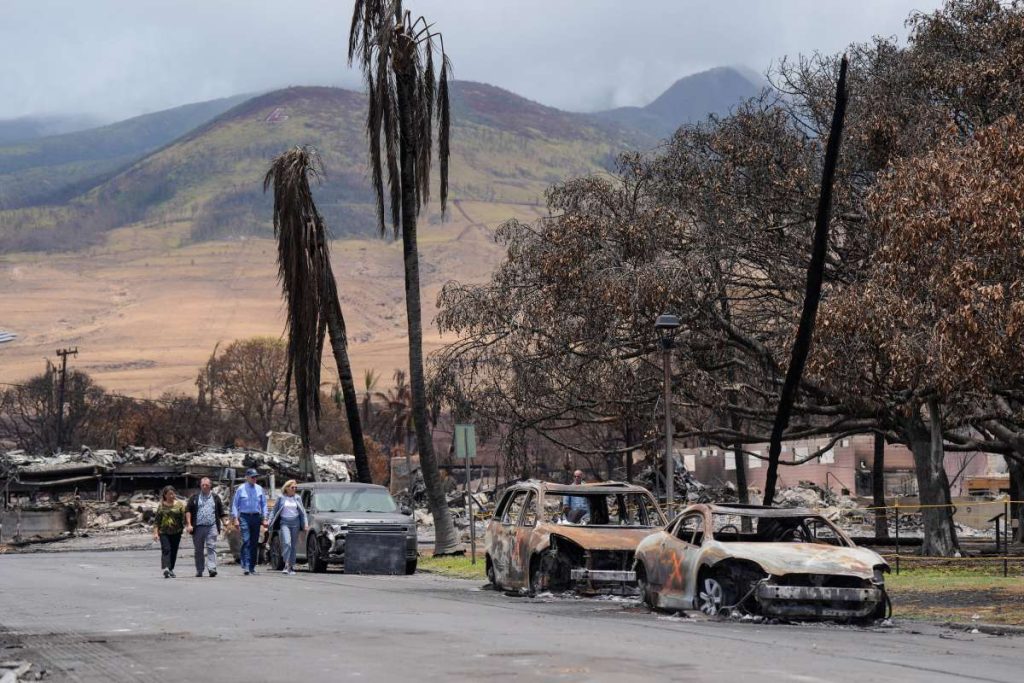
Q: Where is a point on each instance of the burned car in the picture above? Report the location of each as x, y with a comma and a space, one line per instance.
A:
760, 560
555, 537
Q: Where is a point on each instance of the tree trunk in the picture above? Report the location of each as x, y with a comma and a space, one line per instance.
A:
1016, 469
878, 488
932, 484
339, 345
630, 439
741, 473
812, 293
445, 540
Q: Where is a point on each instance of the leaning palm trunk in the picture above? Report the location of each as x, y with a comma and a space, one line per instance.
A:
339, 347
311, 295
396, 55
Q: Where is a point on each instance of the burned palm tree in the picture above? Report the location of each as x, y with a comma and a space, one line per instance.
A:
407, 99
311, 295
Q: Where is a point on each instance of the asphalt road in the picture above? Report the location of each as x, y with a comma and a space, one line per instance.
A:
111, 616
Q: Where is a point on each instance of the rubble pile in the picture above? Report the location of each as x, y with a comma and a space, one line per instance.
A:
16, 671
685, 484
109, 490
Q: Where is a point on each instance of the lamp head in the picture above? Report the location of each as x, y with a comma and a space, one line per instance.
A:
666, 322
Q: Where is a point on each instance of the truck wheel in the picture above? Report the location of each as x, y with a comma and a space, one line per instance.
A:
410, 566
316, 563
276, 558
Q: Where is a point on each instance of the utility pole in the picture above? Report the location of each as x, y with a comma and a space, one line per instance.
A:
63, 353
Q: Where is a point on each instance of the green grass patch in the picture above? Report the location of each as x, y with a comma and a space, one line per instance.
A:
455, 566
960, 594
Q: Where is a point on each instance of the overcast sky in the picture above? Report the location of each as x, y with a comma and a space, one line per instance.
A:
118, 58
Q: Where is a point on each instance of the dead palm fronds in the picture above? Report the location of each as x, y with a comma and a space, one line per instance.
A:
313, 308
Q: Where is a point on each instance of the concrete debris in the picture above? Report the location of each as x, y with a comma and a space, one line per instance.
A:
47, 497
16, 671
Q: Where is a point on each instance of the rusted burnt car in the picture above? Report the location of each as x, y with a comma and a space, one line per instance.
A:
760, 560
531, 543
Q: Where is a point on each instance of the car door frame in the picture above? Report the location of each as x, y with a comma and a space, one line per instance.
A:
679, 559
503, 536
519, 577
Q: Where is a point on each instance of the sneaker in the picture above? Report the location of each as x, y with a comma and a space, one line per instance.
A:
285, 570
199, 575
167, 573
291, 572
253, 571
213, 573
245, 573
173, 576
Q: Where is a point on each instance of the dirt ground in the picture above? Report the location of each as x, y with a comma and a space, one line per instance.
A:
146, 309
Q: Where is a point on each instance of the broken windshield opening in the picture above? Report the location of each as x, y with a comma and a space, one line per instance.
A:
735, 527
600, 509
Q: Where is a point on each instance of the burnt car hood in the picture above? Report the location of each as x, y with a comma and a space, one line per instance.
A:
801, 558
600, 538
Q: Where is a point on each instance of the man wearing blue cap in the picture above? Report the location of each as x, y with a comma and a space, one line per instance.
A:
249, 510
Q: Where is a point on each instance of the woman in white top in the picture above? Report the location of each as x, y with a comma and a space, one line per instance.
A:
291, 516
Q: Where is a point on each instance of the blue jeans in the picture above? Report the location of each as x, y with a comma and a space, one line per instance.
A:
289, 538
249, 525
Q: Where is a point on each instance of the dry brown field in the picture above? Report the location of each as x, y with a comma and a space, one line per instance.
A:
146, 310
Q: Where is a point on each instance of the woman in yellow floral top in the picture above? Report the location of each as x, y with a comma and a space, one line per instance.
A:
167, 527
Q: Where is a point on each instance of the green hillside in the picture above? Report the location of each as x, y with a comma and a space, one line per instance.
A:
504, 149
52, 169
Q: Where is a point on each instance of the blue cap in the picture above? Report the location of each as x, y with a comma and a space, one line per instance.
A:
251, 472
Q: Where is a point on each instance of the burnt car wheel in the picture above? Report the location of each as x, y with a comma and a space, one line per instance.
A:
550, 572
317, 565
490, 573
644, 586
714, 594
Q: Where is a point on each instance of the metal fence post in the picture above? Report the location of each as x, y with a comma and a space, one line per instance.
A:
896, 508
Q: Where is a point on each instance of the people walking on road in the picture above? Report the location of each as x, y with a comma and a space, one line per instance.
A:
167, 527
288, 518
202, 519
249, 510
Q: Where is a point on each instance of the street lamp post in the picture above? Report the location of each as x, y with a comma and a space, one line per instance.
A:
666, 325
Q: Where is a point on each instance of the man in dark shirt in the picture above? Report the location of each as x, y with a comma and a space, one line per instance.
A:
202, 519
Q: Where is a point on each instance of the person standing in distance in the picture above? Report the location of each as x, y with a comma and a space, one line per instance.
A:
249, 510
168, 524
202, 519
575, 507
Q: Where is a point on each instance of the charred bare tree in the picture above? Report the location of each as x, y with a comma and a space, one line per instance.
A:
878, 487
812, 294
